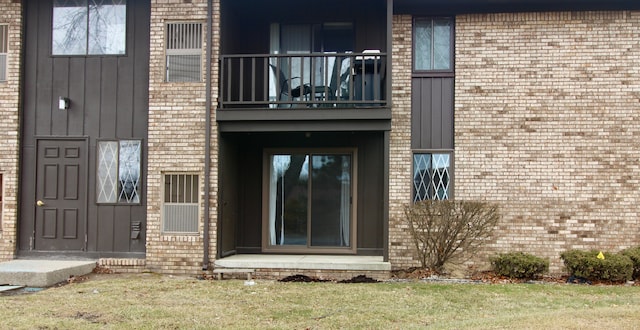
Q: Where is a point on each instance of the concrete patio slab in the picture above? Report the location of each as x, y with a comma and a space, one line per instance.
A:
42, 273
5, 288
324, 262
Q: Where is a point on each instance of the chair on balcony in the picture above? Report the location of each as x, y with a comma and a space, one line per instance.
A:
312, 96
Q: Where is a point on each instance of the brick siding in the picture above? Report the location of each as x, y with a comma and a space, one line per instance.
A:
401, 253
547, 125
176, 139
10, 128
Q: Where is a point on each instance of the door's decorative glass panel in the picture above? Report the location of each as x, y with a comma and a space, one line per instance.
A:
431, 177
69, 27
310, 199
107, 27
107, 178
118, 178
129, 172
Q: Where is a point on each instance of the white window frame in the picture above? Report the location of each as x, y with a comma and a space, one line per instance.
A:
187, 41
181, 203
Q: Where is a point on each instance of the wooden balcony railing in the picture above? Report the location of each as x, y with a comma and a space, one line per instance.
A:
316, 80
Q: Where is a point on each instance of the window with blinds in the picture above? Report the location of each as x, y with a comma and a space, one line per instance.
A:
180, 210
183, 52
4, 43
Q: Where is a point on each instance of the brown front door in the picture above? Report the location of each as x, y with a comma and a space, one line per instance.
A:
61, 192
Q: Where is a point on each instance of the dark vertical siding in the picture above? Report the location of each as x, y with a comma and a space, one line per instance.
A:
228, 223
370, 194
432, 113
77, 94
370, 149
60, 87
106, 229
109, 100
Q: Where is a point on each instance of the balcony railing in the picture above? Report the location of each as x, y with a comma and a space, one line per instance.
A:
316, 80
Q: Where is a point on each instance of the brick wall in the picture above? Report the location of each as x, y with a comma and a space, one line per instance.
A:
177, 138
9, 128
547, 120
400, 157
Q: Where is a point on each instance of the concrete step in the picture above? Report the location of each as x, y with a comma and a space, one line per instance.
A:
42, 273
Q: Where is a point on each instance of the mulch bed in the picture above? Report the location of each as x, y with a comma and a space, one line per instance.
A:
306, 279
301, 278
491, 277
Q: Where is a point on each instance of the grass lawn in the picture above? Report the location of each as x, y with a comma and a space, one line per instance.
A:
150, 301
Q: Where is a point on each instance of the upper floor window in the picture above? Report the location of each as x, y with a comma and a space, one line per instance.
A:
184, 52
4, 36
89, 27
433, 44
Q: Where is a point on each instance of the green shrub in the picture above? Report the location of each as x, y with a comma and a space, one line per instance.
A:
634, 255
519, 265
445, 231
585, 264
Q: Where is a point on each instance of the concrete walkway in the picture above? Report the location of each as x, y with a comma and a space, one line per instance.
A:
42, 273
328, 262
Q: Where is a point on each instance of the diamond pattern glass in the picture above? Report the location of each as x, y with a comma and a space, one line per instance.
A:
442, 45
432, 44
423, 40
69, 36
107, 26
118, 171
129, 172
107, 172
431, 177
94, 27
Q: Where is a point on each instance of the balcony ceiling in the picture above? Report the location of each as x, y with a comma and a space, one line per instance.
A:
468, 6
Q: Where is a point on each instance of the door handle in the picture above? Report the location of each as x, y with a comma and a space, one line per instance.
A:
40, 203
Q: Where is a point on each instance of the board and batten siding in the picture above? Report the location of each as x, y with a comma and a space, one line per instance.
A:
108, 101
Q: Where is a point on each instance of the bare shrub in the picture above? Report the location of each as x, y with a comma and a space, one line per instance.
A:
443, 230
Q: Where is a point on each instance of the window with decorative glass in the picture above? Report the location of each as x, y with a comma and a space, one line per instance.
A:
183, 52
118, 179
180, 209
431, 176
433, 44
89, 27
4, 43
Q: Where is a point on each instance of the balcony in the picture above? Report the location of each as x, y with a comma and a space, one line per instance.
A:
317, 66
313, 81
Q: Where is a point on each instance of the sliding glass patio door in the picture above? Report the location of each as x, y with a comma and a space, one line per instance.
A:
309, 201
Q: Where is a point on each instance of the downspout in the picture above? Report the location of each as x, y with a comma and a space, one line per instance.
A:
207, 138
